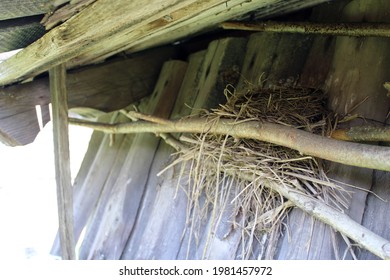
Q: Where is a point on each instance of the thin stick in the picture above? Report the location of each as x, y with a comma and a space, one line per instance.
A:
355, 154
333, 29
363, 133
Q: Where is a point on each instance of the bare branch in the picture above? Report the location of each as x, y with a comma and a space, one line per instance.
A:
355, 154
335, 29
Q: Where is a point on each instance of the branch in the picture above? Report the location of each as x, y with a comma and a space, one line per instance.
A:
355, 154
363, 133
337, 220
334, 29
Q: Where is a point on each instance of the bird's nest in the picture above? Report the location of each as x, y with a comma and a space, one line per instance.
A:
213, 164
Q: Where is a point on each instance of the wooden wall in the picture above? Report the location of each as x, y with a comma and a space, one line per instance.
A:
126, 211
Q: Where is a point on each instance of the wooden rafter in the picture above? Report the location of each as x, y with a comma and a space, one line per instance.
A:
62, 161
22, 8
107, 27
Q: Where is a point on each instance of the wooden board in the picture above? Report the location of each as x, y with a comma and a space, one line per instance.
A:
360, 74
106, 87
274, 59
161, 200
353, 69
93, 175
90, 35
19, 33
62, 161
116, 212
156, 235
221, 67
22, 8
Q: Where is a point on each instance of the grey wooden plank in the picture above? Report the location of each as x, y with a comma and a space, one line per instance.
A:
19, 33
354, 77
260, 55
117, 210
161, 202
23, 8
93, 175
13, 135
305, 238
353, 69
274, 59
106, 87
224, 59
221, 67
376, 213
62, 161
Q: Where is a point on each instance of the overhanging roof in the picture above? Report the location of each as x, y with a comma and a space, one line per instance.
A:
107, 27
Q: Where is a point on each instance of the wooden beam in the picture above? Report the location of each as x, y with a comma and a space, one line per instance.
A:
19, 33
92, 35
106, 87
88, 29
23, 8
114, 214
64, 13
210, 18
62, 161
352, 29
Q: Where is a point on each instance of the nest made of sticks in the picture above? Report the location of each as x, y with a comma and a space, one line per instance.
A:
213, 165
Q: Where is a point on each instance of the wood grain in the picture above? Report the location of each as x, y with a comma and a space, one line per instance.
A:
22, 8
62, 161
19, 33
114, 217
91, 35
106, 87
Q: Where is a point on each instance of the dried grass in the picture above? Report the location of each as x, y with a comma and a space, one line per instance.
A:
213, 164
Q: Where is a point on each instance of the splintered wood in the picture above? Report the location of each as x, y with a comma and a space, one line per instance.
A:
108, 27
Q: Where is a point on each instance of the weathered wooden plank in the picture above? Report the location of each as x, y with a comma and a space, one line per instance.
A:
352, 69
209, 19
106, 87
23, 8
156, 235
62, 161
12, 135
115, 215
367, 72
88, 29
19, 33
274, 59
355, 76
93, 174
221, 67
375, 216
64, 13
90, 33
222, 62
180, 24
161, 202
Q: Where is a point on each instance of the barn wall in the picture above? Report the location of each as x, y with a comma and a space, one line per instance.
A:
147, 220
